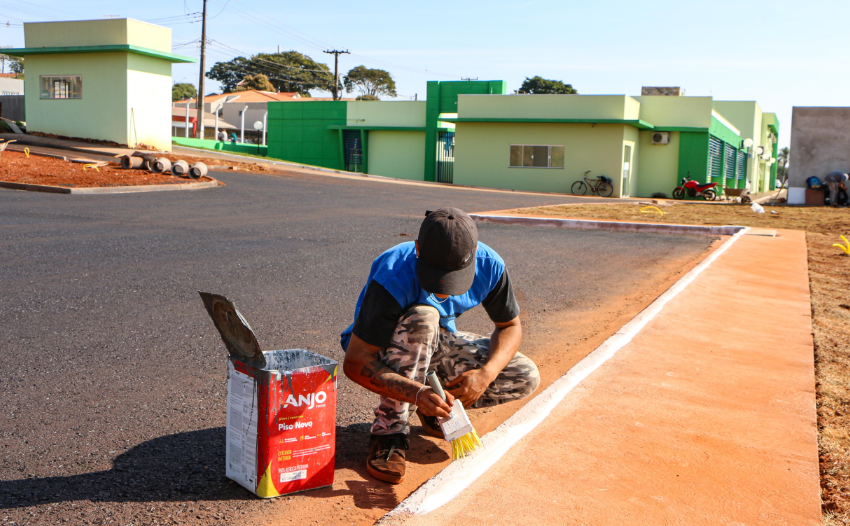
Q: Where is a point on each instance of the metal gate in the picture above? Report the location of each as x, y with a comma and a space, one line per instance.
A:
445, 156
353, 146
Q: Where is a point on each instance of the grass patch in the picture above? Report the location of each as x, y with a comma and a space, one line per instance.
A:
829, 281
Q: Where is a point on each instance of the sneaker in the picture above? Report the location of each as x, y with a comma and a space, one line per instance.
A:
431, 425
386, 457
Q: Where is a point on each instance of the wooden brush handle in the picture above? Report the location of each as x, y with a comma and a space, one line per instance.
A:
434, 382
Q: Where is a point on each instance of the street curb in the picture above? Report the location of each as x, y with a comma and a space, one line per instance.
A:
460, 474
108, 190
589, 224
256, 160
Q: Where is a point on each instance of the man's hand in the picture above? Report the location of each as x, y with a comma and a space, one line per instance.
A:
431, 404
504, 342
362, 366
469, 386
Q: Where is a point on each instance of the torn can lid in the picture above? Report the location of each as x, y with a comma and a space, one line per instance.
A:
235, 331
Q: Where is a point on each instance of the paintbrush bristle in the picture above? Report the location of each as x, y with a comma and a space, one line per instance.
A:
465, 445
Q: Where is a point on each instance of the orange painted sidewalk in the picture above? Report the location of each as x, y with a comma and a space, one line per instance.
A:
707, 417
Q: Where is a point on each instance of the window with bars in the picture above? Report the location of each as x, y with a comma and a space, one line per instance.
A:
741, 166
729, 159
64, 87
536, 156
715, 155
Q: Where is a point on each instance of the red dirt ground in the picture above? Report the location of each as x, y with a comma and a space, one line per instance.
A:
356, 498
15, 167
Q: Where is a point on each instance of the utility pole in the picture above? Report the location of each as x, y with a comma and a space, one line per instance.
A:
203, 70
336, 55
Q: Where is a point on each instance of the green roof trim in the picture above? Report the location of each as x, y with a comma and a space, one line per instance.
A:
637, 123
774, 128
724, 133
377, 128
681, 129
125, 48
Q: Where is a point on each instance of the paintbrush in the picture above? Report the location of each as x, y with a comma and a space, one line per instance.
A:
457, 428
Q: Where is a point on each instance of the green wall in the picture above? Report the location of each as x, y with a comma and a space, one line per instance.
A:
482, 154
209, 144
399, 154
679, 112
603, 107
442, 97
102, 111
386, 113
148, 101
693, 156
659, 165
118, 31
298, 132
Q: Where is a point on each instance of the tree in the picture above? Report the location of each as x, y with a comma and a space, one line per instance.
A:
258, 82
374, 82
183, 91
539, 86
289, 71
16, 65
783, 158
367, 97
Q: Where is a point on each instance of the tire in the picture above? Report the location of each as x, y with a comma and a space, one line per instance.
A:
710, 195
678, 193
605, 190
579, 188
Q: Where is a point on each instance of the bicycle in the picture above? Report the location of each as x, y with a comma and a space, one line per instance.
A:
600, 186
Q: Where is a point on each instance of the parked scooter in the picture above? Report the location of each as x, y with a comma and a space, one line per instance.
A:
694, 189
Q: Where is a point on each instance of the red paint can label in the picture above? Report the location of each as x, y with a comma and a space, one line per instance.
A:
281, 423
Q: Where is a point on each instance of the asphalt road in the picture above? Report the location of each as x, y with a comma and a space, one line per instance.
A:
112, 376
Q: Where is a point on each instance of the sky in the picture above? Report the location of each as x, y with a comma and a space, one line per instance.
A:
779, 53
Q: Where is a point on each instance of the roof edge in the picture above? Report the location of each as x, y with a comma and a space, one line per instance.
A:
112, 48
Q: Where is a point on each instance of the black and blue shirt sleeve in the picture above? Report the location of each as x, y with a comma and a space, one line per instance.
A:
380, 312
501, 304
378, 316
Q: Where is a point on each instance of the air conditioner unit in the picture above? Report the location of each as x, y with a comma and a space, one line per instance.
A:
660, 137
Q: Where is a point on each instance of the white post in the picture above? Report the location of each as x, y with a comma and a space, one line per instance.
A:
216, 125
201, 122
244, 111
187, 117
265, 119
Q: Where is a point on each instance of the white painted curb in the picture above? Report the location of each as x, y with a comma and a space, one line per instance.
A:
460, 474
623, 226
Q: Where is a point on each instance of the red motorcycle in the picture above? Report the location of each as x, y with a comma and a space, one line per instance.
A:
695, 189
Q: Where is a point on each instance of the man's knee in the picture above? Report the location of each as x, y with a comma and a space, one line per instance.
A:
527, 377
418, 324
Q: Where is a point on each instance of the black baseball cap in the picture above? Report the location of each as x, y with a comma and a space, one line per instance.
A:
448, 239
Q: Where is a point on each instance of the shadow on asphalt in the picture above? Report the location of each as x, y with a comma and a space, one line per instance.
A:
190, 466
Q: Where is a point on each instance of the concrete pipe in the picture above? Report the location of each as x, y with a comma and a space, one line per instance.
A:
130, 163
161, 165
180, 168
197, 170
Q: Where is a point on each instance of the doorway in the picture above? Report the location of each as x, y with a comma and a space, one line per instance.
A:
627, 170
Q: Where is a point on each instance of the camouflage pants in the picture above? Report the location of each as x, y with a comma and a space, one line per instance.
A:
420, 345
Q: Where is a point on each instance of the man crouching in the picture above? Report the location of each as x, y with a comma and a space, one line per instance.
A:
404, 326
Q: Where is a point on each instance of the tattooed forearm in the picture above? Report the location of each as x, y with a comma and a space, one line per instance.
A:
389, 382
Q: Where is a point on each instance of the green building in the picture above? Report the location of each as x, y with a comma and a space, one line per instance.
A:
99, 79
473, 133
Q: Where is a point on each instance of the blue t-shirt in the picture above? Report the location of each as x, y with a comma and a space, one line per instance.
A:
395, 272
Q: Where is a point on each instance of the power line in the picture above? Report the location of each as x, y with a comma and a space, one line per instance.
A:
254, 57
264, 20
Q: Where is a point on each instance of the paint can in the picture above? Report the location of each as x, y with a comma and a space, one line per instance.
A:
281, 410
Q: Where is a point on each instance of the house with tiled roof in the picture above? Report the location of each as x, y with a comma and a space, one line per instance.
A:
254, 103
